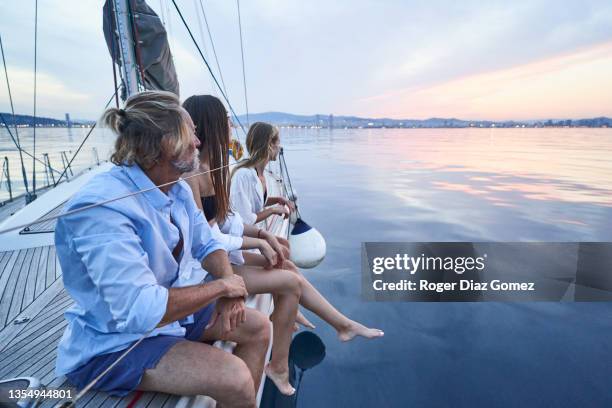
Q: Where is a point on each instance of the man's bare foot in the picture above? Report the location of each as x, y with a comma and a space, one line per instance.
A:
299, 318
280, 379
357, 329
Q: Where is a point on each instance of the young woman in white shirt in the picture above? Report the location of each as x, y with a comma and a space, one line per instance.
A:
248, 197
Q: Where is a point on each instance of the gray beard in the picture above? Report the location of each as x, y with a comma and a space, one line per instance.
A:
185, 166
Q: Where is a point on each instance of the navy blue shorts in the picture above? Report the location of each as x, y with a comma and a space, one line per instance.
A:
127, 374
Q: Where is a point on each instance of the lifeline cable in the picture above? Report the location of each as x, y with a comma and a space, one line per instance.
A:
110, 200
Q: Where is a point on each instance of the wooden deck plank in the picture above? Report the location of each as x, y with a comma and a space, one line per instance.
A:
21, 342
42, 271
58, 268
142, 402
10, 333
50, 267
158, 400
39, 324
171, 401
28, 353
30, 284
25, 343
4, 257
11, 257
43, 369
9, 288
98, 399
17, 298
112, 402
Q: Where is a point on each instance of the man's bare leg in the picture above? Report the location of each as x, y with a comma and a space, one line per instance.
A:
252, 338
194, 368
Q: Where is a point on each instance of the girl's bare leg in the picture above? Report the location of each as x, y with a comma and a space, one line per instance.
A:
258, 260
312, 300
285, 286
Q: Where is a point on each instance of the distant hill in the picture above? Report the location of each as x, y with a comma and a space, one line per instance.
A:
27, 120
326, 121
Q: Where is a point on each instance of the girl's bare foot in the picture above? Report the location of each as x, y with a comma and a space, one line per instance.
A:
299, 318
280, 379
357, 329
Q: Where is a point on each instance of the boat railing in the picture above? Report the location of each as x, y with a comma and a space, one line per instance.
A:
51, 174
6, 177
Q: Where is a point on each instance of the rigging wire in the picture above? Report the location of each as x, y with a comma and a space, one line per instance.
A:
111, 21
203, 38
83, 141
208, 66
212, 45
35, 72
17, 142
244, 81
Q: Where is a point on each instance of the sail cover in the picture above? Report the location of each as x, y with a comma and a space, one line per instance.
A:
153, 52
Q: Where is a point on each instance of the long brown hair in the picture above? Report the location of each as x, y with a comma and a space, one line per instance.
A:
259, 141
212, 128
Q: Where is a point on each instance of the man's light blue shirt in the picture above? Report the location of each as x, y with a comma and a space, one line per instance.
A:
117, 262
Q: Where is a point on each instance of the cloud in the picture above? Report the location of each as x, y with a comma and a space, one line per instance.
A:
317, 56
573, 85
54, 97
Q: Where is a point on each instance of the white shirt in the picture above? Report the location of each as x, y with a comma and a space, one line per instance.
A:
230, 234
246, 194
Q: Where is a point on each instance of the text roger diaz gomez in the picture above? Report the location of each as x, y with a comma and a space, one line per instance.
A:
463, 284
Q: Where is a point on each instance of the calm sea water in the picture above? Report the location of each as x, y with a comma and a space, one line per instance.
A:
444, 185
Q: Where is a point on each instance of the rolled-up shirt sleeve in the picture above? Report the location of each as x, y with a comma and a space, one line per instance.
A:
240, 197
204, 243
230, 242
115, 261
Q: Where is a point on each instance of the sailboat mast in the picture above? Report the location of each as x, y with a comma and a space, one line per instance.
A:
129, 67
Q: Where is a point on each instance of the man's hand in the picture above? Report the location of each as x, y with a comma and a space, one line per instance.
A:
230, 313
234, 287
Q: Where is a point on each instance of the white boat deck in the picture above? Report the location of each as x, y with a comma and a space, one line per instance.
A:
33, 300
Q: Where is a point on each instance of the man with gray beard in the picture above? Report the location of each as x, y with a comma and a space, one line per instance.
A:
138, 269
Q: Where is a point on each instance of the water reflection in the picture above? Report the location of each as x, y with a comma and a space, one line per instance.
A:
447, 185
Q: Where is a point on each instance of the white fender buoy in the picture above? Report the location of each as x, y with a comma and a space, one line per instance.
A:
307, 245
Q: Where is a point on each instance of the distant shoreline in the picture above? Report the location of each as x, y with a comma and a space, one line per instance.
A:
319, 121
285, 126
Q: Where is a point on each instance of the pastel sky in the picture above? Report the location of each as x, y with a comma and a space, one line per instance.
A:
494, 60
